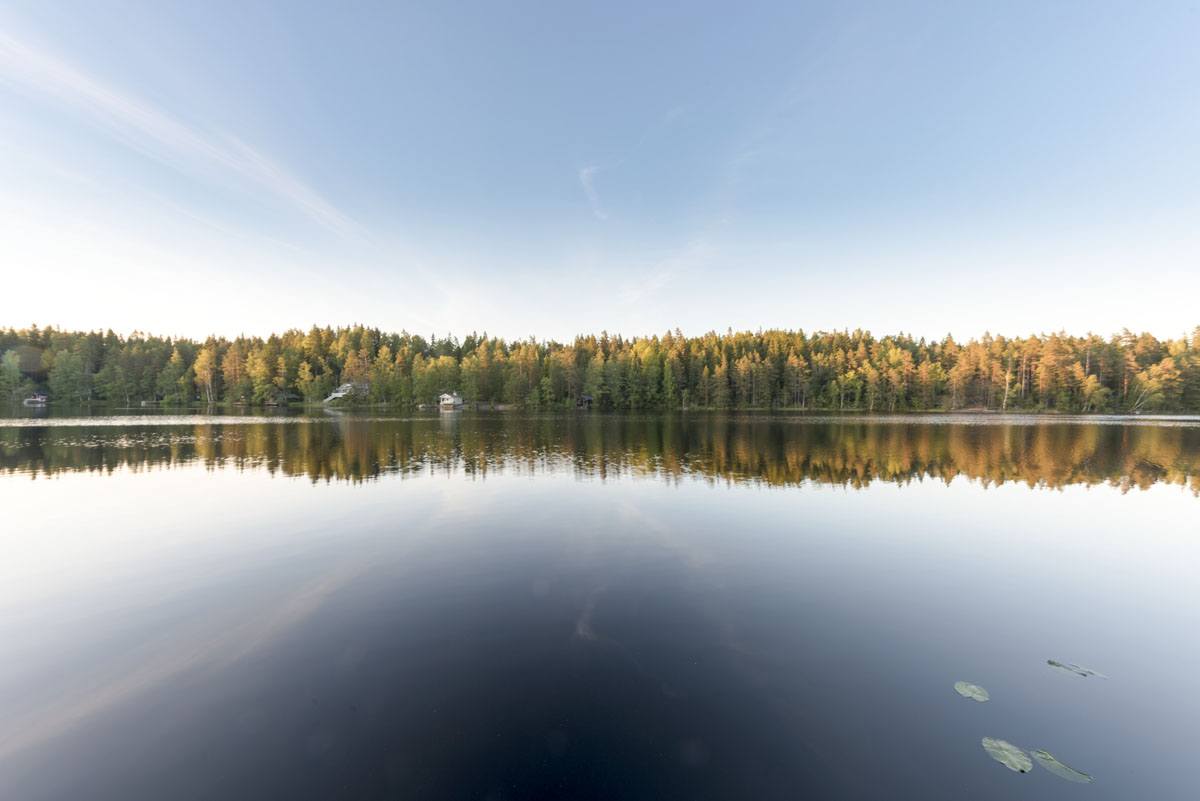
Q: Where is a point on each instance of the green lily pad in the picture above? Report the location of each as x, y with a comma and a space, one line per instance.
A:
1078, 670
1008, 755
1048, 761
973, 691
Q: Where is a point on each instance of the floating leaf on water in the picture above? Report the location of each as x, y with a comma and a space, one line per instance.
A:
973, 691
1078, 670
1008, 755
1047, 761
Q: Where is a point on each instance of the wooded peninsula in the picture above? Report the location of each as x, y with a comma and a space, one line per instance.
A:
776, 369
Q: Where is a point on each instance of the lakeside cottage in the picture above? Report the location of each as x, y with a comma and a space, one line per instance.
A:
450, 400
348, 390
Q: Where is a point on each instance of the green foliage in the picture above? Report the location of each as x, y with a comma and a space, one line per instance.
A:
972, 691
13, 384
175, 380
838, 370
1062, 771
1007, 754
69, 378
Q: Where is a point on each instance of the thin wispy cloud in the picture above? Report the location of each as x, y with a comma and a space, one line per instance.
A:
155, 133
587, 176
693, 257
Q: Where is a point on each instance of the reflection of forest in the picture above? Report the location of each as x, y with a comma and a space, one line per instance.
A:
771, 451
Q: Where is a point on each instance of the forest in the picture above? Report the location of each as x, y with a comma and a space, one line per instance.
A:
775, 369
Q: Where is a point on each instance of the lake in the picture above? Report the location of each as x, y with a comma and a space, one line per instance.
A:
510, 606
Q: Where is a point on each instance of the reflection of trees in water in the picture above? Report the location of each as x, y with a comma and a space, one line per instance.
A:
772, 451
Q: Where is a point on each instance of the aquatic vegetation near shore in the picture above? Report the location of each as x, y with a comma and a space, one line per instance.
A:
1078, 670
1007, 755
973, 691
1050, 763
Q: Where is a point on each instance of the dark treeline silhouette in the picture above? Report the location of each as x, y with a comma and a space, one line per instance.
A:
777, 451
770, 369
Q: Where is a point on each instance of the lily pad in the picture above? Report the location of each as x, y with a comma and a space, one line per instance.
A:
973, 691
1047, 761
1008, 755
1078, 670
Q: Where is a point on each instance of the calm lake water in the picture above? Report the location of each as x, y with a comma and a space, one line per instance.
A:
514, 607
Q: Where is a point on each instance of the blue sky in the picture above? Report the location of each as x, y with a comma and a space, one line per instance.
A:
558, 168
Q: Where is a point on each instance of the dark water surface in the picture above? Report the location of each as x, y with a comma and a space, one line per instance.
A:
596, 607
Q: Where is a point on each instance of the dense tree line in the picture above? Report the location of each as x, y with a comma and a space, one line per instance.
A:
843, 370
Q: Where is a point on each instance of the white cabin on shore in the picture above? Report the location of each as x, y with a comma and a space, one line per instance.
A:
348, 390
450, 400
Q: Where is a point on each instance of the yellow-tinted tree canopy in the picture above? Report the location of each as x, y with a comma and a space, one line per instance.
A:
842, 370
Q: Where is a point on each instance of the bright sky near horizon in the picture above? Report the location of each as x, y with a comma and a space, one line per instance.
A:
555, 168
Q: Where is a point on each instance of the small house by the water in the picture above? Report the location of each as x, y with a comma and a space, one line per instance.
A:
350, 390
450, 400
